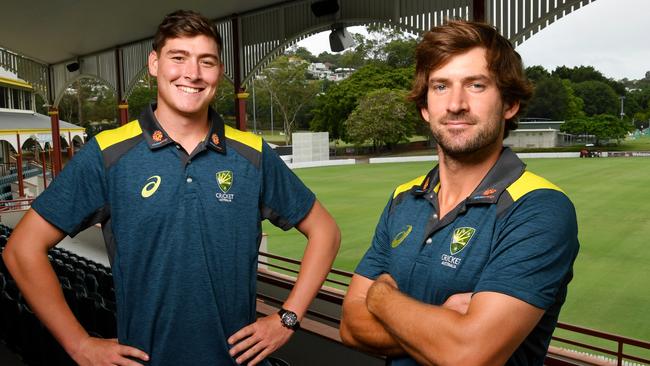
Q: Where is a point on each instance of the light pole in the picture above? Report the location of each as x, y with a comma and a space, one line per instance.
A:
271, 93
622, 97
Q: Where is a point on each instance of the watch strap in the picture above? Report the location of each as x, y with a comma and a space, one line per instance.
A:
284, 314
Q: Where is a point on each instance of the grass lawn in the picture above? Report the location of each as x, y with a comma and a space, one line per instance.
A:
640, 144
610, 290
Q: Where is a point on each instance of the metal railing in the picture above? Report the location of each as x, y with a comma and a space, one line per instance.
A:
288, 265
620, 342
15, 205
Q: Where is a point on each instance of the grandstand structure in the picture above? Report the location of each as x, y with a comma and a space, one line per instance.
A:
87, 285
23, 129
58, 47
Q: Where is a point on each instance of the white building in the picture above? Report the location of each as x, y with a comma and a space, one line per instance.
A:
319, 70
341, 73
535, 134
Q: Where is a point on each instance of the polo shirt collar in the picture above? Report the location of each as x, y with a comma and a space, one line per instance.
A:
505, 171
156, 136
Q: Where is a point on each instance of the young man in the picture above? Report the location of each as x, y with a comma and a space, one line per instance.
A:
180, 197
469, 264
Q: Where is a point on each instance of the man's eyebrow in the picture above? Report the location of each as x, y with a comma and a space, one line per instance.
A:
187, 53
177, 51
209, 55
477, 77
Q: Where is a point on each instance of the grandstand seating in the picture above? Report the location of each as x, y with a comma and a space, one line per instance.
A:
5, 181
86, 285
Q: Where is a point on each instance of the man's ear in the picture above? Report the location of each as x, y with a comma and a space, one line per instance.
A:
152, 63
510, 110
222, 69
424, 112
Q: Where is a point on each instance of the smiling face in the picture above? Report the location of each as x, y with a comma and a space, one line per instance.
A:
464, 106
187, 70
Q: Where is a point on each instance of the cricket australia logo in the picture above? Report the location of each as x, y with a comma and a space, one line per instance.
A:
399, 238
459, 240
224, 181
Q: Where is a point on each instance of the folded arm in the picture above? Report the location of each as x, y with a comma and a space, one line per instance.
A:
493, 327
363, 330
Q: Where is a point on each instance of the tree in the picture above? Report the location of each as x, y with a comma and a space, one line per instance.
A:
357, 56
575, 104
224, 100
87, 101
537, 73
330, 58
143, 93
550, 100
641, 120
287, 83
599, 97
400, 52
301, 52
638, 100
40, 104
384, 117
334, 107
603, 127
579, 74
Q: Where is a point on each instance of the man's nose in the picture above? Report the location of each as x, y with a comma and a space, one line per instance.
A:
192, 70
457, 100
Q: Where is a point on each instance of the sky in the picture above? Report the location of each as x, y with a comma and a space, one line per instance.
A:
613, 36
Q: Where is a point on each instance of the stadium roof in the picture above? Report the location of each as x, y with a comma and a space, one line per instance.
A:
52, 31
21, 121
35, 126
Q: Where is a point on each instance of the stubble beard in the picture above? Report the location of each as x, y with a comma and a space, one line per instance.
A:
455, 146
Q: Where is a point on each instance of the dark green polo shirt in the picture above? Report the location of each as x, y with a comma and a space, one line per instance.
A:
516, 234
182, 230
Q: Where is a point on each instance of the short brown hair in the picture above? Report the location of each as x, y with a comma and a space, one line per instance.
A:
442, 43
185, 23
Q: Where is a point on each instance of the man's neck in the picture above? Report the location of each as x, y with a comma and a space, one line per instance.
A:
459, 176
186, 130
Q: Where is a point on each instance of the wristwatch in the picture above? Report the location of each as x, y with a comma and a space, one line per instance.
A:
289, 319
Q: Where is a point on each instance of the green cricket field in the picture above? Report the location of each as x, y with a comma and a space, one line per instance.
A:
611, 287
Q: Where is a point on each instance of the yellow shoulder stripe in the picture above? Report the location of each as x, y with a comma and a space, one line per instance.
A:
529, 182
408, 185
245, 138
112, 137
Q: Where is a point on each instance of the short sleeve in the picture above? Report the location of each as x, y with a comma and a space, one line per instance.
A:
533, 253
76, 198
375, 261
285, 199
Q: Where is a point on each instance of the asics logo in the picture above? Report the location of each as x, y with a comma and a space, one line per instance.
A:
150, 188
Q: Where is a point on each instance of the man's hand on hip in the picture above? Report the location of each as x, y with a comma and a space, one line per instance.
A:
100, 352
256, 341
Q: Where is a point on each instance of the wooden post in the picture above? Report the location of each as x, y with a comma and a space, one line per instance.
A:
56, 141
19, 168
44, 163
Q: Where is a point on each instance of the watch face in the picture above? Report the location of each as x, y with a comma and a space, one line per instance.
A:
289, 318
